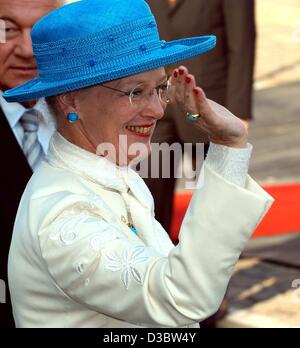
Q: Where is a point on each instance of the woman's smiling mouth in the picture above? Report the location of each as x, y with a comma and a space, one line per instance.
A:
143, 130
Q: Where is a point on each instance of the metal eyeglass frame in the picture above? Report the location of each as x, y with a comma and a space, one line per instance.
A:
158, 91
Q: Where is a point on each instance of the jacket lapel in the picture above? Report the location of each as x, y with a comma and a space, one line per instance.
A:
141, 207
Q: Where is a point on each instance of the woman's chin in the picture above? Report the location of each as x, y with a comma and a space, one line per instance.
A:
134, 160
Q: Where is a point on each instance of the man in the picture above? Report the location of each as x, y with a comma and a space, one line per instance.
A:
225, 73
25, 131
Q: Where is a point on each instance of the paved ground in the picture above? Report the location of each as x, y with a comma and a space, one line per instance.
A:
279, 249
263, 295
265, 288
275, 134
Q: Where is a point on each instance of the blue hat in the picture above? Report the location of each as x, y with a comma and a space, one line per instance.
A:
94, 41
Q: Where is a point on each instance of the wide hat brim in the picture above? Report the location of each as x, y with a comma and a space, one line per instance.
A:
169, 53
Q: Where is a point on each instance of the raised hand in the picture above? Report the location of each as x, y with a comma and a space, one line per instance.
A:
221, 126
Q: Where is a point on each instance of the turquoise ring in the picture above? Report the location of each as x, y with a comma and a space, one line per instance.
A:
192, 117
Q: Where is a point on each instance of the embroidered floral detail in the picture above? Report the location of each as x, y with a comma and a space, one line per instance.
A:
127, 264
104, 237
67, 237
88, 208
66, 228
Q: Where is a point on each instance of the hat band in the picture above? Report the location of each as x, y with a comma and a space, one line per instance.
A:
64, 59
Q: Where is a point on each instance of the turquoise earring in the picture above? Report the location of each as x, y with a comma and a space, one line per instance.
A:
73, 117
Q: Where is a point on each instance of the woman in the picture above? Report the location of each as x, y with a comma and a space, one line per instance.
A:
87, 250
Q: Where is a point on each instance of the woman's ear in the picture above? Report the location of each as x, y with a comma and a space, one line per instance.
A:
67, 102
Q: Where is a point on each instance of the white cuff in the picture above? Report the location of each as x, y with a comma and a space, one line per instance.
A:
229, 162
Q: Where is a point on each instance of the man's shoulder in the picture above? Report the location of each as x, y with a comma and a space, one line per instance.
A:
4, 124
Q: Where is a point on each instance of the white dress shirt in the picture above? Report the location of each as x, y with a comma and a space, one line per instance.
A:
14, 112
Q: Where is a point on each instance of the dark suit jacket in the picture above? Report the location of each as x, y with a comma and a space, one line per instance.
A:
15, 173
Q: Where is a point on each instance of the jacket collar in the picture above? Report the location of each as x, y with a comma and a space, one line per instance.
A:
97, 169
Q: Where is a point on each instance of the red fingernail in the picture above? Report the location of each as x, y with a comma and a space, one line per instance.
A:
188, 79
196, 91
175, 73
181, 71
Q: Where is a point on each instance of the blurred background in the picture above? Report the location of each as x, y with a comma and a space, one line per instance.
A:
265, 289
275, 131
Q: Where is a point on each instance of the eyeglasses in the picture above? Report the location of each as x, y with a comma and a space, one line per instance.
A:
140, 96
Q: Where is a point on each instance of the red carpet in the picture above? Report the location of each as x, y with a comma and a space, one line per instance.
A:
283, 217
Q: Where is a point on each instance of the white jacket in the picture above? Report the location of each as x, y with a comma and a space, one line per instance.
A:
74, 262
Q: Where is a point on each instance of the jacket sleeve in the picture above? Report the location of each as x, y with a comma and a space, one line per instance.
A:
239, 24
93, 262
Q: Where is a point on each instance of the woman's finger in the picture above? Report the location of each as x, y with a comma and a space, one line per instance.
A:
203, 107
190, 105
180, 84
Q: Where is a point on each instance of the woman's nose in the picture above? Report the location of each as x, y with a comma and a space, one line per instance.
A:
155, 107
